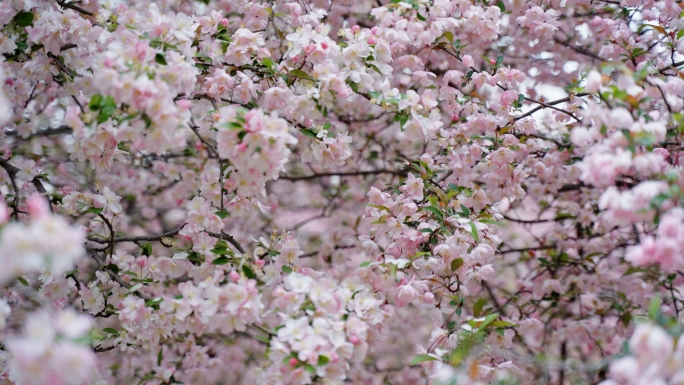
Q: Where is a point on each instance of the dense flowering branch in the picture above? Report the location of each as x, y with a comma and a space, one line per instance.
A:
382, 192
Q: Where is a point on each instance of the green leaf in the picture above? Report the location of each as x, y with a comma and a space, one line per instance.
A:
263, 339
248, 272
435, 211
307, 132
633, 270
154, 301
466, 211
113, 268
95, 102
479, 305
473, 232
94, 210
222, 214
656, 27
268, 62
449, 36
456, 264
403, 119
626, 318
393, 269
364, 264
23, 281
379, 207
287, 269
147, 249
160, 58
680, 34
489, 319
501, 6
23, 18
322, 360
220, 250
110, 331
503, 324
222, 260
234, 126
654, 307
423, 358
301, 74
159, 356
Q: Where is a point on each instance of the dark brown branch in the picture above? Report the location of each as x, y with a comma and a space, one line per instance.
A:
48, 132
349, 173
75, 8
549, 104
228, 238
116, 277
141, 238
41, 189
12, 171
62, 67
673, 66
101, 350
548, 247
314, 253
577, 49
210, 148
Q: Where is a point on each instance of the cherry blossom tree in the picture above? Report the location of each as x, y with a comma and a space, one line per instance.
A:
338, 191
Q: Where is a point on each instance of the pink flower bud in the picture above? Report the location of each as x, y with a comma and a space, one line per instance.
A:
455, 118
224, 22
260, 263
293, 362
492, 61
334, 357
508, 97
405, 295
184, 104
374, 31
37, 206
429, 298
140, 50
356, 29
141, 262
371, 40
309, 48
354, 339
234, 276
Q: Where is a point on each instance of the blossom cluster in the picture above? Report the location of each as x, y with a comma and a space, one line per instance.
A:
331, 191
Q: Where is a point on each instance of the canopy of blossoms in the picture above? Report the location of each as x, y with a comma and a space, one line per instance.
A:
285, 192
